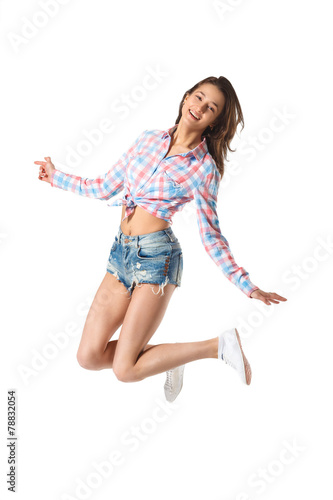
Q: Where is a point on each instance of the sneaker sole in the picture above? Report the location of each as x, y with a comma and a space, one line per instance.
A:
247, 367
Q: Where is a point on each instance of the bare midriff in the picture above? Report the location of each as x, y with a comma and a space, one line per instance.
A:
141, 222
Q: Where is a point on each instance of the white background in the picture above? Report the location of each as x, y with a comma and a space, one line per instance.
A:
61, 74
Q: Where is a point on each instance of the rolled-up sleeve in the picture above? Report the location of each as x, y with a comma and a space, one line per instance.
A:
103, 187
215, 244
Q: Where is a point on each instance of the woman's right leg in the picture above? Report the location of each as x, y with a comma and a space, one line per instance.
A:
105, 316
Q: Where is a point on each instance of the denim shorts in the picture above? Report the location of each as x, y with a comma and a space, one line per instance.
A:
155, 258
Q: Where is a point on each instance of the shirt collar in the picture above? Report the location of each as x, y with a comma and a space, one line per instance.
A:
199, 151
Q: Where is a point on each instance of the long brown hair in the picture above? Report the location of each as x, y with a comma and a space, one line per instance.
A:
220, 136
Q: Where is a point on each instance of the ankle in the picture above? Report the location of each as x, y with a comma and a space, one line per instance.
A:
216, 347
220, 343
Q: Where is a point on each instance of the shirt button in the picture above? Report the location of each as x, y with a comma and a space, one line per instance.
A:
126, 240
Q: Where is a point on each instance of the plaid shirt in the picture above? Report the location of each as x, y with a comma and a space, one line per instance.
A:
162, 187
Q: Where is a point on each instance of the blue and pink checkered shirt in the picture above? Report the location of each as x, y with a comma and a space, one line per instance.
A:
162, 186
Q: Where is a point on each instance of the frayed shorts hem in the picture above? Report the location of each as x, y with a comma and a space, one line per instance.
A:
138, 284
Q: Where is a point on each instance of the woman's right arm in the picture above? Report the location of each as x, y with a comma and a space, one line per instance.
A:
103, 187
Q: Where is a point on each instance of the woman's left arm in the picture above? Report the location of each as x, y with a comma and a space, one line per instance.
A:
217, 246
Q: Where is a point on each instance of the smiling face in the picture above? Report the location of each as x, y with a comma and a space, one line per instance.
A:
203, 106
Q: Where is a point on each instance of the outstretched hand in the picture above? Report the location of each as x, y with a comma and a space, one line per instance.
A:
267, 297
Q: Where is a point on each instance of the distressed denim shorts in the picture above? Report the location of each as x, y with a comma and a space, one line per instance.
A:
155, 258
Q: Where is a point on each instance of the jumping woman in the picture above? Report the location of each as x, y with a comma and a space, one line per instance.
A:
161, 172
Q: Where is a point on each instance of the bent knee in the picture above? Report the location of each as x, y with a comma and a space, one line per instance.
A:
88, 360
125, 373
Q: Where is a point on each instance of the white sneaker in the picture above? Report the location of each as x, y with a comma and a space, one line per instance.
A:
173, 383
230, 350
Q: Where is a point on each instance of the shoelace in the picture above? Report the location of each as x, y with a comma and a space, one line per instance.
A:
168, 382
229, 362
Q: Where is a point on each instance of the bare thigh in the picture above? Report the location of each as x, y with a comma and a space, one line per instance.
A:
105, 316
144, 315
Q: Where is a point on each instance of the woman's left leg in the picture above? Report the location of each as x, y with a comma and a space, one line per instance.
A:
133, 359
